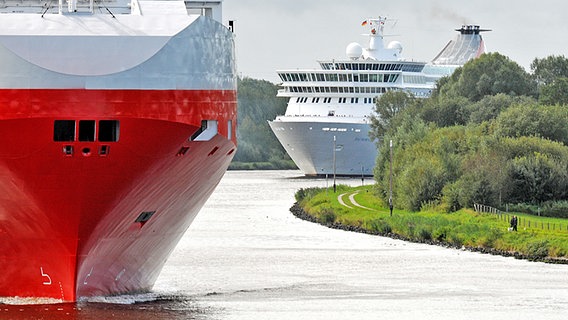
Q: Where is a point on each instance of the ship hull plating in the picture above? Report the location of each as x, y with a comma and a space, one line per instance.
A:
312, 147
68, 220
106, 160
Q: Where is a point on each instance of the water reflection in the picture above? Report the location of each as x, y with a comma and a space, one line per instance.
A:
125, 308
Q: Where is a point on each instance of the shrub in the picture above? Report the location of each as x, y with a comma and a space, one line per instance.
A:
455, 239
424, 234
327, 216
489, 239
306, 193
538, 249
380, 226
441, 233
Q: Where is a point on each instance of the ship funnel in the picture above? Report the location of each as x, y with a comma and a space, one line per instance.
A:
467, 45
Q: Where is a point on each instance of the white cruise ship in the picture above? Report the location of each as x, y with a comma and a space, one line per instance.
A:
326, 126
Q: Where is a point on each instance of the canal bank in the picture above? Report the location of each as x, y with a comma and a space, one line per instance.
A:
300, 213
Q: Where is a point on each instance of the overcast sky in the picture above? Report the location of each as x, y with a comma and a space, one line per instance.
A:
284, 34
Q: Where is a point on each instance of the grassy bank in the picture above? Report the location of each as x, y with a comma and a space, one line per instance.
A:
545, 239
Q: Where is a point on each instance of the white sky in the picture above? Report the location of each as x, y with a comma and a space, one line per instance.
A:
290, 34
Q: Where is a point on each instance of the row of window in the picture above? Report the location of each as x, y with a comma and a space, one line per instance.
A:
339, 100
338, 77
372, 65
86, 130
377, 90
414, 79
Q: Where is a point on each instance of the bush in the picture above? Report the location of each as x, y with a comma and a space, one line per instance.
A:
489, 239
455, 239
424, 234
306, 193
380, 226
555, 209
441, 233
327, 216
538, 249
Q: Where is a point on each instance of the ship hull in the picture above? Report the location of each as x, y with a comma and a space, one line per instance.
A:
105, 163
312, 147
68, 222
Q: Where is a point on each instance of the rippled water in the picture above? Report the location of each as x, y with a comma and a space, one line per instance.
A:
247, 257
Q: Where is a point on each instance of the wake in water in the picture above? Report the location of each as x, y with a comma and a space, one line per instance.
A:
144, 306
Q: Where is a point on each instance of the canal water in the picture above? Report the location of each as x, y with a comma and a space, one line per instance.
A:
247, 257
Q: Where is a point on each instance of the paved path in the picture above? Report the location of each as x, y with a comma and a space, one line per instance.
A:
351, 200
341, 202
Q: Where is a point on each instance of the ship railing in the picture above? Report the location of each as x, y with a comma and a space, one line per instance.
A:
210, 9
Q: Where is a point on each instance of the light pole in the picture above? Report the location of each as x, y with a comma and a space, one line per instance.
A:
334, 140
390, 181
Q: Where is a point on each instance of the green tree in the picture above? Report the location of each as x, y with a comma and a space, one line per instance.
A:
555, 92
537, 178
258, 104
445, 111
546, 70
387, 107
490, 107
548, 122
487, 75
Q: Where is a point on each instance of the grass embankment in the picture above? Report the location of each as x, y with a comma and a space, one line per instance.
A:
546, 239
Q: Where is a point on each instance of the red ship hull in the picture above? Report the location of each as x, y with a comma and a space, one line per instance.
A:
72, 213
114, 130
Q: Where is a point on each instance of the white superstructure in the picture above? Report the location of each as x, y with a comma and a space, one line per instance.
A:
326, 124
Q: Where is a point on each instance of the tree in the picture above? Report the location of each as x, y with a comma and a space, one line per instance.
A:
547, 70
555, 92
258, 104
489, 74
387, 107
490, 107
445, 111
549, 122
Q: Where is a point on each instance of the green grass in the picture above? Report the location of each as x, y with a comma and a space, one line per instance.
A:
546, 237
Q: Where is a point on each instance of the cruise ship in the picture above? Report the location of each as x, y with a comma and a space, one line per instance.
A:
117, 122
325, 129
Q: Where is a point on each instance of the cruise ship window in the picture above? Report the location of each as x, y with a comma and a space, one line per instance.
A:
64, 130
87, 130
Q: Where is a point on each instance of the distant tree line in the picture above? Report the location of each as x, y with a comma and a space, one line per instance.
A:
491, 133
258, 148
